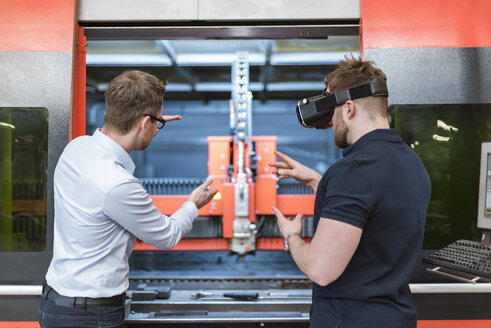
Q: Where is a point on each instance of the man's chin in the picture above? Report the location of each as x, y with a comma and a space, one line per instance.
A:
341, 142
144, 146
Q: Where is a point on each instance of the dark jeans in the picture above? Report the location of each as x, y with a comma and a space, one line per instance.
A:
52, 315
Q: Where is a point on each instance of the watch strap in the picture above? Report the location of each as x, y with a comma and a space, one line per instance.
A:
291, 234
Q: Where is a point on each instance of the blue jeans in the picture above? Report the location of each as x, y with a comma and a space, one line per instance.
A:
52, 315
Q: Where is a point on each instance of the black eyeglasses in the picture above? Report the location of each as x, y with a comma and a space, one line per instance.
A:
160, 120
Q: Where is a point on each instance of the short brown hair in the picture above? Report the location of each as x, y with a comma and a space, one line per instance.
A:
131, 95
353, 72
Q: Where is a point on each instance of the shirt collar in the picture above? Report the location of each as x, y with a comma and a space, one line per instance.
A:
390, 135
113, 147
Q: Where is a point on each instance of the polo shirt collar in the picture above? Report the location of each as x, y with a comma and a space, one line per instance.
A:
390, 135
113, 147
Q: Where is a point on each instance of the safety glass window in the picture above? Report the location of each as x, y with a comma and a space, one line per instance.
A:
23, 179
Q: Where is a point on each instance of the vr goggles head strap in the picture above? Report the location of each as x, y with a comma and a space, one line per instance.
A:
376, 88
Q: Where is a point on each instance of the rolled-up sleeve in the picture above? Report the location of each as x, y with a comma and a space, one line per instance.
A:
129, 205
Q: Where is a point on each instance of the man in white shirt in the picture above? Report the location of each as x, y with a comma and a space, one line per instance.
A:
101, 209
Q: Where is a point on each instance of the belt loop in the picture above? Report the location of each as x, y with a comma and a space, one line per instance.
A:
85, 302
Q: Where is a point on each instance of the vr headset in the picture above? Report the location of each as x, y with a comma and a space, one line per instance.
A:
316, 112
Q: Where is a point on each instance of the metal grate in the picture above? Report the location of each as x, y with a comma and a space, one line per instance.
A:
171, 186
293, 187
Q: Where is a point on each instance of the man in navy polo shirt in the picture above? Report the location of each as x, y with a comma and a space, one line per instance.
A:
369, 215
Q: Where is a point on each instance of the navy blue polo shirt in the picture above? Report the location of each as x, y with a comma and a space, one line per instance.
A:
381, 186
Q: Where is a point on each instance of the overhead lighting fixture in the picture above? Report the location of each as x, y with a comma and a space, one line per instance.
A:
213, 59
307, 58
217, 59
224, 86
295, 86
176, 87
128, 60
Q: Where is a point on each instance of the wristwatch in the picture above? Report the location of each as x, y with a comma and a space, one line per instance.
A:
287, 247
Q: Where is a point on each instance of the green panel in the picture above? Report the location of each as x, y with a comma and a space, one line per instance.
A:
6, 128
23, 179
448, 140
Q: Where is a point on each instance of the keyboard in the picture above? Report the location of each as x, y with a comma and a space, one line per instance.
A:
465, 256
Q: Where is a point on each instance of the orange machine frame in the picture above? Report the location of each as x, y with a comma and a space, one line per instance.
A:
262, 195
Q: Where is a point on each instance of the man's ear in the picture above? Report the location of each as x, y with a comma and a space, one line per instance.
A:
142, 123
350, 109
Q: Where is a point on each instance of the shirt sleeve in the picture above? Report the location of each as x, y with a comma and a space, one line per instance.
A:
129, 205
349, 195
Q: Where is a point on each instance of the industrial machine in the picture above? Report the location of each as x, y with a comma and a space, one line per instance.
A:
230, 270
247, 190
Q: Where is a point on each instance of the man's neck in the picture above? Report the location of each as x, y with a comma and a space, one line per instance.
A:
125, 141
359, 130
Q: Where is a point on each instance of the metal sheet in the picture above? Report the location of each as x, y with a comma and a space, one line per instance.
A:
37, 79
19, 308
137, 11
278, 9
435, 75
91, 11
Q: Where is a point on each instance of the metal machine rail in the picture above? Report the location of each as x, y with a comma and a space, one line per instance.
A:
25, 290
456, 288
415, 288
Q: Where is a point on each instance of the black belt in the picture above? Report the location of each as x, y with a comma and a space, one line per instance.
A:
72, 302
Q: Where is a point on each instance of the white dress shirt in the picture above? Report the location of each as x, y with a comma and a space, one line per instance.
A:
100, 210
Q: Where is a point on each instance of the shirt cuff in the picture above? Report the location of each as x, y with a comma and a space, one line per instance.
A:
191, 208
